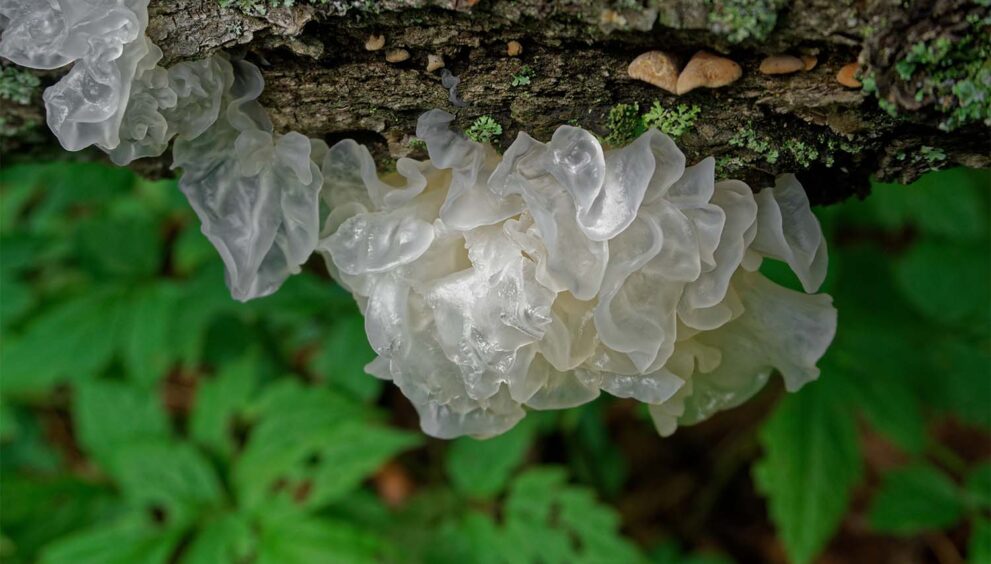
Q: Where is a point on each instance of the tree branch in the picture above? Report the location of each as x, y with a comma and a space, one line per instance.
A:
322, 81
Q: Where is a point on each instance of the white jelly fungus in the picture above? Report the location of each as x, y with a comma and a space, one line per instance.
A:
489, 283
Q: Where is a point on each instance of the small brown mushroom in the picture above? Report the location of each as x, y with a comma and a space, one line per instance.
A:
781, 64
708, 70
848, 75
809, 62
657, 68
434, 62
374, 42
397, 55
514, 48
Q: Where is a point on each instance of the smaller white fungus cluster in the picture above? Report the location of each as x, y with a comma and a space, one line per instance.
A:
255, 192
104, 38
559, 270
538, 278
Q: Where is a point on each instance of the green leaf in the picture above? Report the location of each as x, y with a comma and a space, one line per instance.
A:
303, 541
978, 485
474, 537
122, 543
310, 447
928, 205
228, 539
916, 498
979, 547
811, 462
593, 454
343, 356
171, 477
115, 248
549, 521
109, 415
670, 553
202, 300
38, 510
192, 249
145, 345
315, 465
218, 402
877, 384
947, 283
73, 340
482, 468
963, 387
16, 299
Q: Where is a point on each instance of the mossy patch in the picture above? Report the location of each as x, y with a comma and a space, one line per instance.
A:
624, 124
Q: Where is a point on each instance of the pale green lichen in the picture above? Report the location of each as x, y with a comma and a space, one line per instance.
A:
484, 130
740, 20
674, 121
18, 85
261, 7
804, 152
523, 77
750, 139
625, 123
952, 74
932, 157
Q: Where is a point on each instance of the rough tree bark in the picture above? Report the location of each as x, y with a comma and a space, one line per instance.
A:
322, 81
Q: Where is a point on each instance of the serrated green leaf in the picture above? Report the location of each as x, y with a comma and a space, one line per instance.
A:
219, 400
979, 546
947, 282
145, 345
122, 543
811, 462
978, 485
343, 356
916, 498
474, 537
314, 443
303, 541
316, 465
227, 539
109, 415
171, 477
482, 468
71, 341
548, 520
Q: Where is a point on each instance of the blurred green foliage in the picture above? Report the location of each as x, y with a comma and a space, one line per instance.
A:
147, 417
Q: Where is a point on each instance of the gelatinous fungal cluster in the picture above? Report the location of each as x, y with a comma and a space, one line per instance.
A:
490, 283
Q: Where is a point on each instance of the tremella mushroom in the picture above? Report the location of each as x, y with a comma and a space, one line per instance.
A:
490, 284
